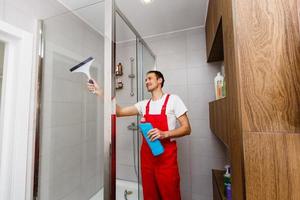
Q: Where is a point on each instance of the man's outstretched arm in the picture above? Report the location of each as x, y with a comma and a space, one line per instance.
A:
126, 111
120, 111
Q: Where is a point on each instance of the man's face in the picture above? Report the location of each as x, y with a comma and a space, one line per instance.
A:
152, 82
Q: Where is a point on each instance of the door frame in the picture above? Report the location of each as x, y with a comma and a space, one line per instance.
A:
16, 115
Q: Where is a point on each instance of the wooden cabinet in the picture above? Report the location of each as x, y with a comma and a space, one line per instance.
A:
259, 120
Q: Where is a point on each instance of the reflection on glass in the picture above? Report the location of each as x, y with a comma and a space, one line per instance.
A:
71, 148
147, 64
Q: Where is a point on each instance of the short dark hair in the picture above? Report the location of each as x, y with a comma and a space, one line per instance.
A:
158, 75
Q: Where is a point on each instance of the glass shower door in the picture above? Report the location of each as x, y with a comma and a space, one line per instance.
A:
146, 62
71, 156
127, 151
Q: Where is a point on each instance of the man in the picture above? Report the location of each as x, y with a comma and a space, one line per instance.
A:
160, 174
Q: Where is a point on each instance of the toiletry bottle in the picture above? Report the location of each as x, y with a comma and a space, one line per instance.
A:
227, 178
228, 192
218, 85
224, 88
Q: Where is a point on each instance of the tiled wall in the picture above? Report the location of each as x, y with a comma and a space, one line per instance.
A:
181, 57
72, 118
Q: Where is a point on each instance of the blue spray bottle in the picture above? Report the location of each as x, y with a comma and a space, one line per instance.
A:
155, 146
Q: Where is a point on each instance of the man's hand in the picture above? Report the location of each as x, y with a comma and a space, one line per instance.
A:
155, 134
94, 88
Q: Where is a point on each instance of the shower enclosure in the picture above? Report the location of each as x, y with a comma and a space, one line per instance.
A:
80, 150
136, 58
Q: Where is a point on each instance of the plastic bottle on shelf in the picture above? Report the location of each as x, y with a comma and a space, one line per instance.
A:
219, 80
224, 88
228, 192
227, 179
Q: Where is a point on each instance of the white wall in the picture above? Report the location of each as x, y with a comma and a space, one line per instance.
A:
181, 57
25, 14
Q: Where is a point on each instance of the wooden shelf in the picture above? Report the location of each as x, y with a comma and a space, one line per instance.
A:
218, 186
218, 119
214, 33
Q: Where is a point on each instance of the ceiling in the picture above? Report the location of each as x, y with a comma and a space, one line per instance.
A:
161, 16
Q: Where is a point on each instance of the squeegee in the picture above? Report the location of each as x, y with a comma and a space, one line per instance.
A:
84, 67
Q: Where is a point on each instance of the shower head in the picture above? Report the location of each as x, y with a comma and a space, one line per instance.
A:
84, 67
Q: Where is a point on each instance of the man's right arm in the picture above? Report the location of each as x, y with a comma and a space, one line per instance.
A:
121, 112
126, 111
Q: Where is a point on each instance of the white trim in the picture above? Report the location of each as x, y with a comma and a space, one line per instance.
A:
15, 116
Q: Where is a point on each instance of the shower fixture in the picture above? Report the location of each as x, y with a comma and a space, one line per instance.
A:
119, 69
131, 76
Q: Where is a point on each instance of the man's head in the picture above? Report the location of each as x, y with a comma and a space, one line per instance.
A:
154, 79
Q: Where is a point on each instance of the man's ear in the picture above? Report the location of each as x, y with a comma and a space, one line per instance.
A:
160, 80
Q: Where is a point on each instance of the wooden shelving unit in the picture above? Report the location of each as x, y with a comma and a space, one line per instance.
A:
218, 184
259, 120
218, 119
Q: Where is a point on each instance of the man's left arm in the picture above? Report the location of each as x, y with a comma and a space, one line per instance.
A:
182, 130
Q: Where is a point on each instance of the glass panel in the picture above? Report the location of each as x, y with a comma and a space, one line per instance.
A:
127, 136
146, 62
72, 121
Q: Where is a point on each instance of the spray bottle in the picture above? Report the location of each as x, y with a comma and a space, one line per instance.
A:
227, 182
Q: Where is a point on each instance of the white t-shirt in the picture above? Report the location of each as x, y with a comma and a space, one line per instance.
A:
175, 108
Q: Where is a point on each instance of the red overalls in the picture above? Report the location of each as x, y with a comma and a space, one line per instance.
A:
160, 176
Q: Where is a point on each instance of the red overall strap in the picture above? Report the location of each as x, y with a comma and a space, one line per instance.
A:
163, 109
147, 107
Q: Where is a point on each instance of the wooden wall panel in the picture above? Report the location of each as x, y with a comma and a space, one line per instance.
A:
268, 44
272, 166
233, 98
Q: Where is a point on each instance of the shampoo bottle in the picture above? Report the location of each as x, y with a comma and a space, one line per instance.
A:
219, 79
